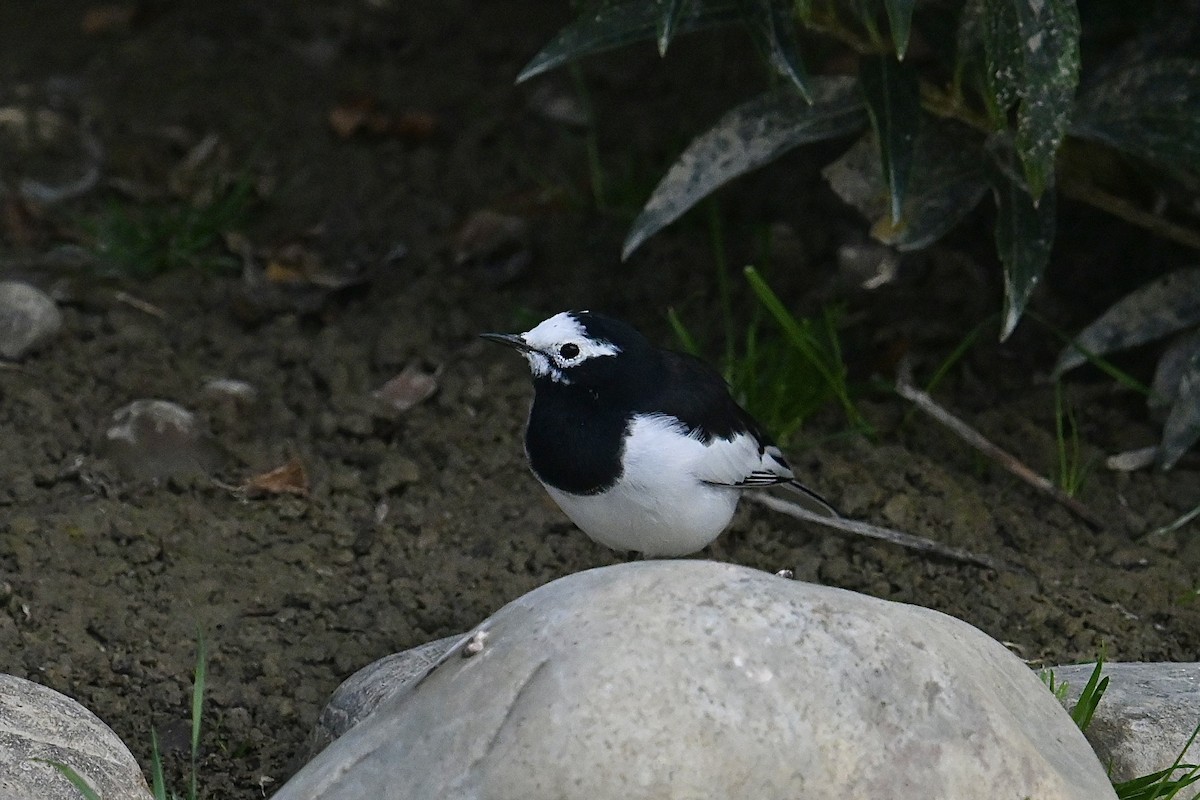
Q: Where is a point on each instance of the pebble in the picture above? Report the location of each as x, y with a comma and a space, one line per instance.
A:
394, 472
151, 439
28, 318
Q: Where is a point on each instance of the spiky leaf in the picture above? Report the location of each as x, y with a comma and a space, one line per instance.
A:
752, 134
1032, 52
774, 29
947, 184
894, 104
1149, 109
1024, 236
900, 18
1168, 372
1163, 306
1182, 428
670, 12
617, 24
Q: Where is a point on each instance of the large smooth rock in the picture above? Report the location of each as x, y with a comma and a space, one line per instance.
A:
1145, 717
28, 317
37, 725
692, 679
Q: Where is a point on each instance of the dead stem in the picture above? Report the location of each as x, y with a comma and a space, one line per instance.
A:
857, 528
906, 389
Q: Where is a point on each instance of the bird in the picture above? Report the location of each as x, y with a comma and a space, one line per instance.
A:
642, 447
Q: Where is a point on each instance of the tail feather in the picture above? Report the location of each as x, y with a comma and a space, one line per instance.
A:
812, 500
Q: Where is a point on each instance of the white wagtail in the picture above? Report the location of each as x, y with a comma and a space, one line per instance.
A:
643, 448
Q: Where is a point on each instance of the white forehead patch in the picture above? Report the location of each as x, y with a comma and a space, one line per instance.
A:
549, 337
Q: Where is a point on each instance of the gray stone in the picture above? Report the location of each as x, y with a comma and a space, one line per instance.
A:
28, 317
37, 725
154, 439
361, 693
1144, 718
689, 679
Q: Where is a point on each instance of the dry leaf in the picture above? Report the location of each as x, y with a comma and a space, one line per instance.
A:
278, 272
291, 478
362, 115
21, 224
412, 386
348, 118
108, 18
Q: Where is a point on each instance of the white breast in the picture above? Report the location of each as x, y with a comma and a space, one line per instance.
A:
662, 505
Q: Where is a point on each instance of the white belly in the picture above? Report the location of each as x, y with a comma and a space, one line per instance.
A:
660, 506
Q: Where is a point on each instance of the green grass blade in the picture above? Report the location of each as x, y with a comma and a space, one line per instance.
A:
1089, 698
1177, 524
686, 340
802, 340
198, 707
1101, 363
158, 785
77, 780
1160, 785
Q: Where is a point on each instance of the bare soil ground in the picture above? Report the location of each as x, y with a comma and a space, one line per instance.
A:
420, 524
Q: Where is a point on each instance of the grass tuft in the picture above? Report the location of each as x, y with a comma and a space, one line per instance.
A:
149, 240
158, 785
1072, 469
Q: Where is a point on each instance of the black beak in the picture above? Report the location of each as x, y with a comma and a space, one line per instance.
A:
511, 339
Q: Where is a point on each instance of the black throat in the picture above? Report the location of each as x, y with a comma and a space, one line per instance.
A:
575, 437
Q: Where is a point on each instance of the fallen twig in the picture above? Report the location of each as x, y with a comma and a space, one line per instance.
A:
906, 389
875, 532
141, 305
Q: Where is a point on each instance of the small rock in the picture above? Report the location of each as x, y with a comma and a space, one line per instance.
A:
1144, 718
37, 724
696, 679
28, 317
155, 439
395, 471
240, 392
362, 692
555, 103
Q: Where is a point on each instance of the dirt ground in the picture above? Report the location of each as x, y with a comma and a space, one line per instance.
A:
420, 524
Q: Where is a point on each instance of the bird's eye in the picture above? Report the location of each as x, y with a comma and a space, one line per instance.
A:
568, 350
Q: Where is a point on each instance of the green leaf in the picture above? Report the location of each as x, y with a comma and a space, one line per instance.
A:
1182, 428
1024, 236
946, 184
1148, 109
752, 134
774, 30
618, 24
1163, 306
1032, 51
894, 105
969, 47
670, 12
900, 18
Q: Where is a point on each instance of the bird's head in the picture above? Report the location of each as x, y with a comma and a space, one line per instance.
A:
578, 348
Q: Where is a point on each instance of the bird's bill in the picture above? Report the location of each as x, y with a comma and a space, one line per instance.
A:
513, 340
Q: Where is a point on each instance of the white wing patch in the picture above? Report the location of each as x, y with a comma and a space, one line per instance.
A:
660, 443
